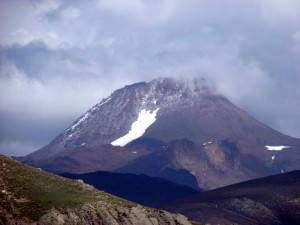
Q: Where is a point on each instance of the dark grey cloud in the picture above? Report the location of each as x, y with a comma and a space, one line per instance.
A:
58, 58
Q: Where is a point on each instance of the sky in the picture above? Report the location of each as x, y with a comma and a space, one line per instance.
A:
58, 58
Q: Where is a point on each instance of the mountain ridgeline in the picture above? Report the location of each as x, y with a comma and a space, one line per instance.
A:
142, 189
180, 130
272, 200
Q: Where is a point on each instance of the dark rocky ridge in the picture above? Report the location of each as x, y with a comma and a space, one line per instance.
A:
141, 189
270, 200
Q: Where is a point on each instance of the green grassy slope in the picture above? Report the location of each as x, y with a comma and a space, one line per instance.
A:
31, 192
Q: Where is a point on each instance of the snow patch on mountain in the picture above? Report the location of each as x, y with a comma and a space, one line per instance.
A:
82, 119
138, 128
104, 101
207, 143
276, 148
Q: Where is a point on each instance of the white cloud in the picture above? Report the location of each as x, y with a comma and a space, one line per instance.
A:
45, 6
70, 54
46, 100
16, 148
70, 14
296, 44
121, 7
281, 14
139, 11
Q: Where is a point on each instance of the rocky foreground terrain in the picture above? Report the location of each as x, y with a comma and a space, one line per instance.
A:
273, 200
32, 196
99, 213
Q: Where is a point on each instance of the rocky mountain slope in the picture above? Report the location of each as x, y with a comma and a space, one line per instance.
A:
30, 196
269, 200
213, 164
181, 130
86, 159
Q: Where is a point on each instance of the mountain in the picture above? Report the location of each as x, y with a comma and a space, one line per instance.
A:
214, 164
85, 159
30, 196
270, 200
180, 130
142, 189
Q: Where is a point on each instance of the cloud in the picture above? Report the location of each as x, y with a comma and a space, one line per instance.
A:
17, 148
59, 58
281, 14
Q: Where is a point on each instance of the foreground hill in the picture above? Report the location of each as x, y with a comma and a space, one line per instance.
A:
269, 200
29, 195
142, 189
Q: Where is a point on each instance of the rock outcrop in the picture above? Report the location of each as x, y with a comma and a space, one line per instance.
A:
100, 214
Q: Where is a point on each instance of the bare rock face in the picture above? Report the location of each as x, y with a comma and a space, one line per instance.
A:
213, 164
98, 213
10, 218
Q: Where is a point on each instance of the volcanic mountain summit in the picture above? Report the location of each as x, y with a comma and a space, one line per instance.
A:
170, 128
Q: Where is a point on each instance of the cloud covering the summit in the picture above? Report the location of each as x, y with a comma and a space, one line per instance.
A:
60, 57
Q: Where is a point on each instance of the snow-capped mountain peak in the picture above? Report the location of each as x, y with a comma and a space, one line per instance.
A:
176, 129
164, 109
